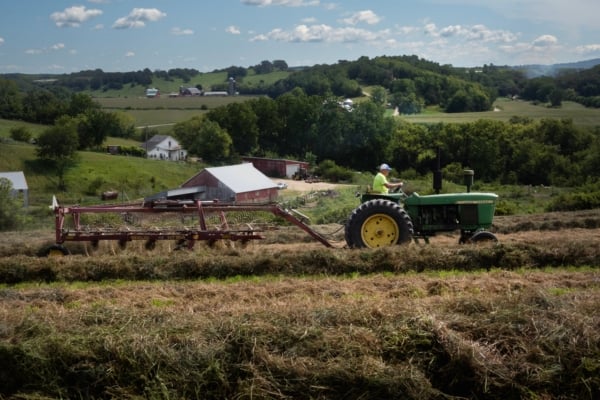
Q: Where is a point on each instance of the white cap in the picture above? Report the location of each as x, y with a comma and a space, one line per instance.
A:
385, 167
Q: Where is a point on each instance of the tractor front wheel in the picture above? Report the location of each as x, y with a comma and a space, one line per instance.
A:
378, 223
56, 250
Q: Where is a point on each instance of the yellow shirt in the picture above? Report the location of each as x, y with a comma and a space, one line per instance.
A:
379, 183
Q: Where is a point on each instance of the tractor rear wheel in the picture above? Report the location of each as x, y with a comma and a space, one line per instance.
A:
378, 223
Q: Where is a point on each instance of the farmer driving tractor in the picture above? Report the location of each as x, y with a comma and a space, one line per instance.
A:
380, 182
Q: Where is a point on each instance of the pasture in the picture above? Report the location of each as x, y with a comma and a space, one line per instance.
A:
505, 109
161, 113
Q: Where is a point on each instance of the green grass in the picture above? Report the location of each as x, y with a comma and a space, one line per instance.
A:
161, 113
94, 173
506, 109
6, 125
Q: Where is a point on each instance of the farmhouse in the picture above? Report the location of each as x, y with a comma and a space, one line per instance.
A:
241, 184
164, 147
19, 185
277, 167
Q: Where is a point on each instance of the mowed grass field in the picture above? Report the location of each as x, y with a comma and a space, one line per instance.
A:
162, 112
505, 109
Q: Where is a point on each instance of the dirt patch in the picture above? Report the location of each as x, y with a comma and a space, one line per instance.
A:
307, 186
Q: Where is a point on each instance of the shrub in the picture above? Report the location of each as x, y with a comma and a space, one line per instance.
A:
20, 134
8, 217
332, 172
575, 201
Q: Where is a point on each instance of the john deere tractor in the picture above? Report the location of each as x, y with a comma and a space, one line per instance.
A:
396, 218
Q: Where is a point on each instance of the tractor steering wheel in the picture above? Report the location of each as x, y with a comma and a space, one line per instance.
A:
397, 189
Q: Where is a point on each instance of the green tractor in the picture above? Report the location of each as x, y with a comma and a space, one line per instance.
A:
396, 218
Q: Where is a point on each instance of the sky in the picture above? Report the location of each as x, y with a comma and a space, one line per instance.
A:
64, 36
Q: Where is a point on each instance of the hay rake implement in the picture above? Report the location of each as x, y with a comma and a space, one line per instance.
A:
149, 221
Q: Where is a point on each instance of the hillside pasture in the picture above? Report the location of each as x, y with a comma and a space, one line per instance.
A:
505, 109
206, 80
6, 125
160, 113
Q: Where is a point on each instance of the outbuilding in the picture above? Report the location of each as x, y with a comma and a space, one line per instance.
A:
240, 184
19, 185
276, 167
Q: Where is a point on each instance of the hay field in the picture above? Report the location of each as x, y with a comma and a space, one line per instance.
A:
287, 318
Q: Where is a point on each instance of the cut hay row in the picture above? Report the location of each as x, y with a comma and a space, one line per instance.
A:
495, 335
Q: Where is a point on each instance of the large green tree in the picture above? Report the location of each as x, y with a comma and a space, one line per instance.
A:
240, 121
58, 145
10, 100
204, 138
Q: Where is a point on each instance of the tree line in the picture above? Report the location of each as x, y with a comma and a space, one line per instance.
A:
412, 83
295, 124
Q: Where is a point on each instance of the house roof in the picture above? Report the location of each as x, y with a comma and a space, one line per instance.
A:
194, 90
242, 177
17, 178
154, 141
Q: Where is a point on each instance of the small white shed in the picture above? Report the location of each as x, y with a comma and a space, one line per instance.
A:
19, 185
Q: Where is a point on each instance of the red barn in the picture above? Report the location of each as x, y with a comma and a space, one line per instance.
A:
277, 167
241, 183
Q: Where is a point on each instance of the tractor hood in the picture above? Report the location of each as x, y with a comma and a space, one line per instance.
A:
450, 198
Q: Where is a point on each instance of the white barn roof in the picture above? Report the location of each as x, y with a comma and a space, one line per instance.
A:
242, 177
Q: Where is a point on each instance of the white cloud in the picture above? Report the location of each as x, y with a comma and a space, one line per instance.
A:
138, 17
477, 32
366, 16
287, 3
587, 48
545, 41
322, 33
73, 16
1, 41
181, 32
54, 47
234, 30
130, 54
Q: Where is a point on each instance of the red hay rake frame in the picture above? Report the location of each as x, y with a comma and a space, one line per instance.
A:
185, 236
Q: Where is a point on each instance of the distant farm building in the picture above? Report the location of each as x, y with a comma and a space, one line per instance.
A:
216, 93
241, 183
231, 87
19, 185
278, 167
189, 91
152, 92
164, 147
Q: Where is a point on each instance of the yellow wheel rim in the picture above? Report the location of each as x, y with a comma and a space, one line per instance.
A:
379, 230
55, 253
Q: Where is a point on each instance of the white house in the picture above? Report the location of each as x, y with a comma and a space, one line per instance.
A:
164, 147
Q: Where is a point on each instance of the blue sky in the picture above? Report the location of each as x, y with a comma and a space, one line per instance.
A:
57, 36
